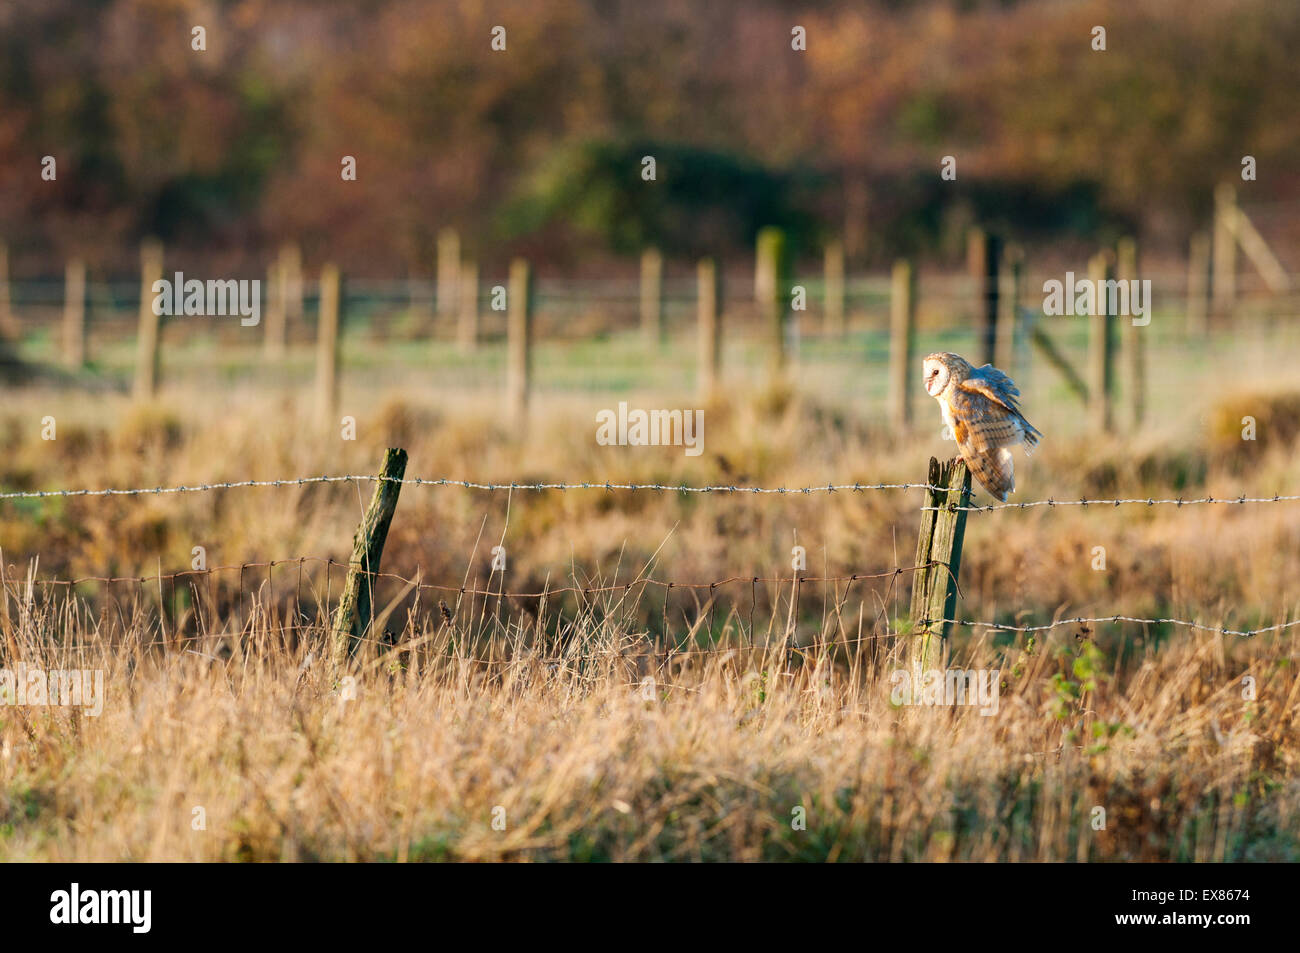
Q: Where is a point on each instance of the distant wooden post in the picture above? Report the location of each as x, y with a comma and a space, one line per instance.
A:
1101, 346
327, 343
975, 268
291, 283
983, 253
1225, 249
146, 355
74, 313
448, 271
834, 289
902, 343
1198, 285
770, 274
284, 300
356, 604
8, 326
652, 294
709, 313
938, 550
1133, 336
273, 344
519, 334
1010, 281
468, 332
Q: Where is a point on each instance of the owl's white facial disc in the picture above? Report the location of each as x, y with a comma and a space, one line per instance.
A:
935, 376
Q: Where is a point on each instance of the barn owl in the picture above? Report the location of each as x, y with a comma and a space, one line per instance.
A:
979, 405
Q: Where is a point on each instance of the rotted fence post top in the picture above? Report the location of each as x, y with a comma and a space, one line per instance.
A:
393, 456
956, 476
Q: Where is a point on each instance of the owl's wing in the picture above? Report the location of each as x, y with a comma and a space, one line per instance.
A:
989, 392
985, 427
993, 385
984, 422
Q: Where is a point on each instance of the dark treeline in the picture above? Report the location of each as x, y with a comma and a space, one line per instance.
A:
537, 149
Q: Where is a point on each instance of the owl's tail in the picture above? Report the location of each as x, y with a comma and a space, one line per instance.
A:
995, 470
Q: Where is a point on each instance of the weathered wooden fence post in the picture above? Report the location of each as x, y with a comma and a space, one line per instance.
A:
147, 343
1198, 284
902, 343
467, 331
1134, 345
938, 552
74, 313
327, 343
833, 267
357, 603
710, 320
652, 295
519, 334
1225, 248
770, 293
448, 271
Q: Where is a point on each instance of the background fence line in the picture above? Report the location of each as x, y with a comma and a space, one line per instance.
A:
990, 298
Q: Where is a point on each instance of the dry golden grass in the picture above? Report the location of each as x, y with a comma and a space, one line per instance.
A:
413, 755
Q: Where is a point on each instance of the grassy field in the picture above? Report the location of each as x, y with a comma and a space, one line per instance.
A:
536, 713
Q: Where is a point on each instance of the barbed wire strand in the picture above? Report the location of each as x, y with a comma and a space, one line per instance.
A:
467, 590
330, 563
465, 484
649, 649
656, 487
1083, 501
1116, 618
